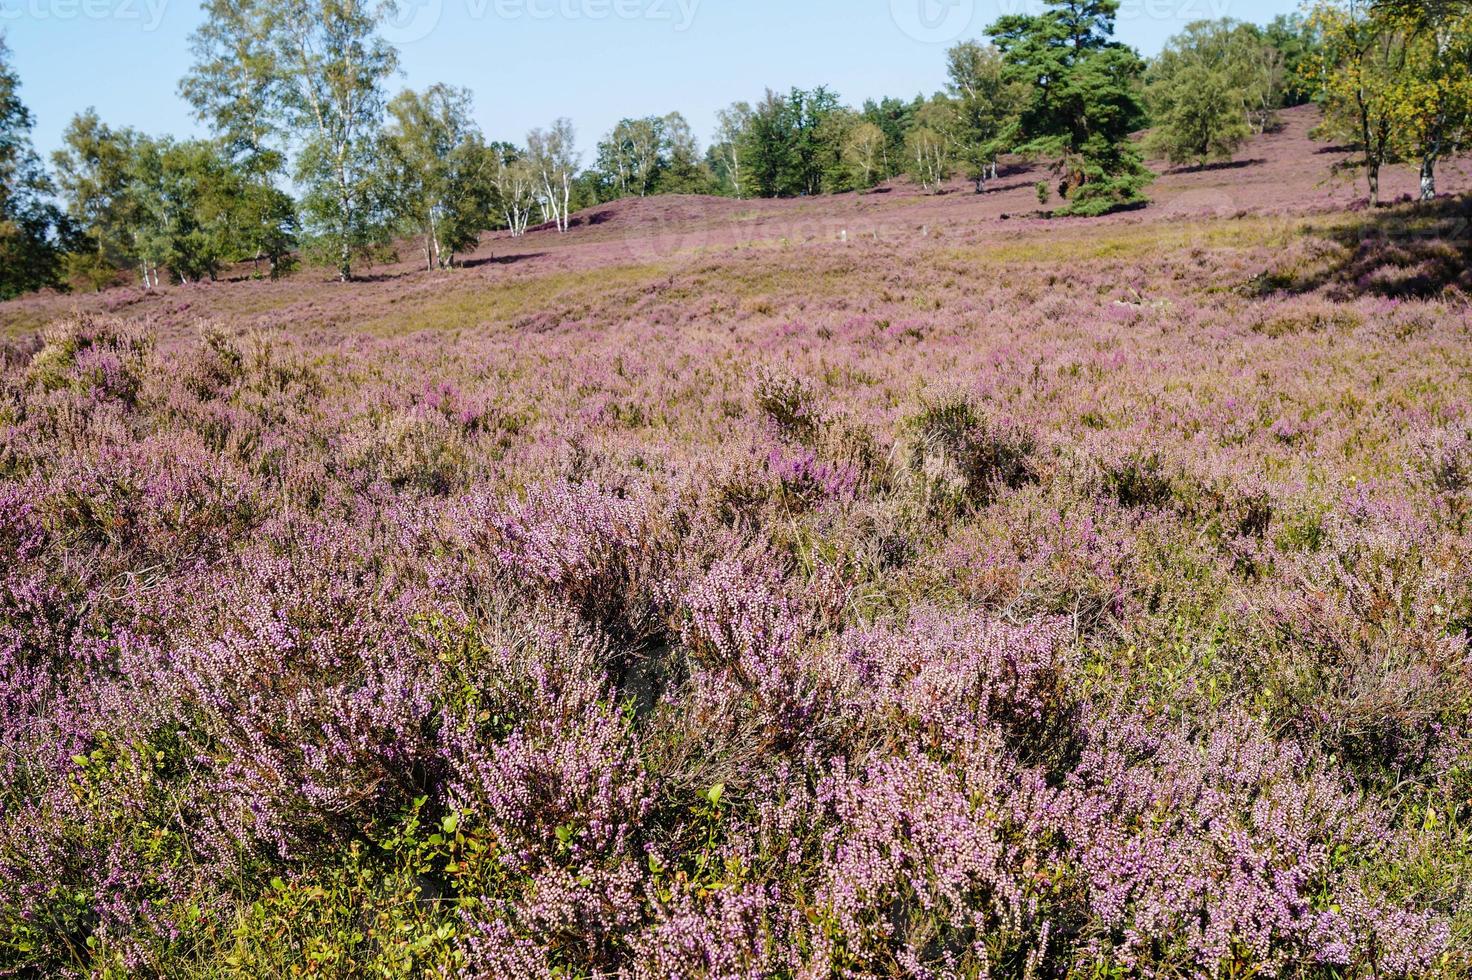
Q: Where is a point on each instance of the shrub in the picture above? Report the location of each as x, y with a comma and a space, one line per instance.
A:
959, 456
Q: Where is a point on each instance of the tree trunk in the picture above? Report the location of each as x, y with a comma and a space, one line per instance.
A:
1428, 179
1372, 176
345, 218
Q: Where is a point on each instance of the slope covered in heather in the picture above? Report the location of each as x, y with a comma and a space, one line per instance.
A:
863, 586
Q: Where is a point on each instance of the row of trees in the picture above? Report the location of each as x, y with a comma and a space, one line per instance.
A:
1396, 81
294, 93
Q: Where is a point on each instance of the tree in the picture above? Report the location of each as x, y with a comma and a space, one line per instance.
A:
818, 124
314, 70
1198, 118
552, 152
1082, 104
515, 184
442, 168
793, 144
1297, 44
1362, 57
94, 170
987, 104
630, 155
1431, 100
236, 86
188, 199
30, 225
930, 158
766, 147
725, 151
1212, 86
681, 170
150, 204
894, 117
933, 143
653, 155
863, 154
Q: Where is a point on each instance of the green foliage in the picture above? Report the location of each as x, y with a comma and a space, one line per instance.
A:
1362, 57
1215, 84
863, 155
135, 822
653, 155
987, 105
93, 169
379, 908
894, 117
1083, 102
314, 71
157, 204
931, 146
29, 223
793, 144
1396, 81
441, 171
1297, 45
234, 88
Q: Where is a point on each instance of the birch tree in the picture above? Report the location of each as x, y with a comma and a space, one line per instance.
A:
1431, 100
731, 126
987, 105
1357, 71
235, 86
630, 155
94, 170
442, 170
863, 154
553, 153
315, 69
516, 181
930, 158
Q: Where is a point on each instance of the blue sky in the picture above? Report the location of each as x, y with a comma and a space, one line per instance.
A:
529, 61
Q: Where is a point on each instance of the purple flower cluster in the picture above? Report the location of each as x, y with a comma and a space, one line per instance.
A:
1033, 624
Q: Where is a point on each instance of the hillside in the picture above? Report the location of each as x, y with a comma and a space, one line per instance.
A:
885, 585
1281, 175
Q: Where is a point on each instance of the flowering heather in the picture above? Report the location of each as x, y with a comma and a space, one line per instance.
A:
865, 587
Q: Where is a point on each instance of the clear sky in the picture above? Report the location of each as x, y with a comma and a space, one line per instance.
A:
529, 61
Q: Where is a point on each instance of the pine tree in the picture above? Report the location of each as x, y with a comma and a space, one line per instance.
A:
1083, 101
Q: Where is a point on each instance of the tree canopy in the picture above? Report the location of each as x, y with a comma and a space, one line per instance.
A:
1083, 100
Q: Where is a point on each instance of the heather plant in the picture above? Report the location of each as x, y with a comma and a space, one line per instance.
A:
1377, 663
91, 357
788, 404
958, 455
559, 617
